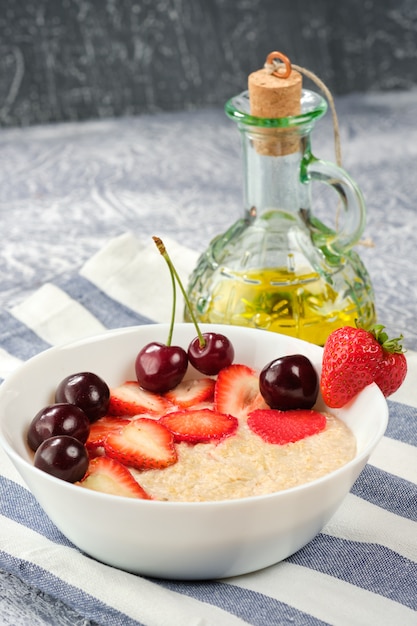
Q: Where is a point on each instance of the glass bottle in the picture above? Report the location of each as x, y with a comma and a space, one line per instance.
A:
279, 267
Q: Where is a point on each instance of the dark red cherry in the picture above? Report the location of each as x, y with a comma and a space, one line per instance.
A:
289, 382
58, 419
63, 457
216, 353
159, 367
87, 391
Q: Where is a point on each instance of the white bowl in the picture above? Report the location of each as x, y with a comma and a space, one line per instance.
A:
179, 540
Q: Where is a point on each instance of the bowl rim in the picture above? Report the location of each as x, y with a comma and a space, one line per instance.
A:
18, 459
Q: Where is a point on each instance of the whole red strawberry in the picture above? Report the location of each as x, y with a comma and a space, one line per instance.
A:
354, 358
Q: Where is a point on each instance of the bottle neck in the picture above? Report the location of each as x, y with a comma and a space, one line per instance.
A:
273, 165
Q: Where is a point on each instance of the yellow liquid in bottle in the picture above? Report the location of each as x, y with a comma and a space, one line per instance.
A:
300, 305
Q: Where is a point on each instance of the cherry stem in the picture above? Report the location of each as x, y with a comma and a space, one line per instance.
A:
174, 276
174, 306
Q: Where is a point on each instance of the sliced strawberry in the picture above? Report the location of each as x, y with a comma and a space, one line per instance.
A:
100, 430
191, 392
282, 427
200, 425
237, 391
131, 399
110, 476
143, 444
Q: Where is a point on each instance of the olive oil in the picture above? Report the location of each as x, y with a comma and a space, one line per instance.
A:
300, 305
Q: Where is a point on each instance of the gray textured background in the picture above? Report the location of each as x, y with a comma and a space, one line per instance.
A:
83, 59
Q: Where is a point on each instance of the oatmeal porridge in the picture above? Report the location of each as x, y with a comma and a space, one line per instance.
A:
244, 465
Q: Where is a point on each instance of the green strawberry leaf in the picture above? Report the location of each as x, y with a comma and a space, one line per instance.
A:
394, 346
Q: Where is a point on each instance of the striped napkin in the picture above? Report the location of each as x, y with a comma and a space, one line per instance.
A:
360, 570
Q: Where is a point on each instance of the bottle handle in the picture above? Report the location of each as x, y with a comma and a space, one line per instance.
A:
351, 216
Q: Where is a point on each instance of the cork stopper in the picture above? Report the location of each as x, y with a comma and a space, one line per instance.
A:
275, 93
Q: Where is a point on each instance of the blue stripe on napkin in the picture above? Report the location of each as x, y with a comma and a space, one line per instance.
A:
19, 505
366, 565
255, 608
387, 491
109, 312
18, 339
402, 424
89, 606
